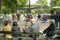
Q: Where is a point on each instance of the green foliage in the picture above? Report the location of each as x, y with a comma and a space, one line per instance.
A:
44, 7
58, 3
48, 9
8, 5
42, 2
58, 10
22, 3
55, 3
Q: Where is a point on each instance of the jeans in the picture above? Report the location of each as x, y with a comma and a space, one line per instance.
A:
59, 24
56, 24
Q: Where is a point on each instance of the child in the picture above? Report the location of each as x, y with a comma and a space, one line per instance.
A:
15, 28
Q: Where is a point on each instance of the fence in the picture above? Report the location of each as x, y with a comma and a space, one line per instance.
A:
21, 37
17, 38
26, 37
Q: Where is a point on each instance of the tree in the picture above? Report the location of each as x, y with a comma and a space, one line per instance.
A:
44, 6
8, 5
53, 2
58, 3
42, 2
22, 3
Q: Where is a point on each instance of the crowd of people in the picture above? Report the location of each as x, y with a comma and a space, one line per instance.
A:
7, 27
11, 24
56, 17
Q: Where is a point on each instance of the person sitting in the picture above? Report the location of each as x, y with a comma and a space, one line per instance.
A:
15, 28
50, 30
7, 28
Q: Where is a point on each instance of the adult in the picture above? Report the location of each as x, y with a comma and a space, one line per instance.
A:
45, 17
14, 17
7, 28
56, 16
52, 14
39, 16
18, 16
59, 20
50, 30
34, 28
15, 27
9, 16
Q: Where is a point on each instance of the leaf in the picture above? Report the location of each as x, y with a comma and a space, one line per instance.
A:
9, 4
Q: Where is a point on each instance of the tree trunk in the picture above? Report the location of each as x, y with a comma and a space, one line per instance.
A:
0, 5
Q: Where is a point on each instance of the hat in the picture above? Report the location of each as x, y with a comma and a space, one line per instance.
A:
52, 21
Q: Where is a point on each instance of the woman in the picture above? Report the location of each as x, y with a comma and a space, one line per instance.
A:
7, 28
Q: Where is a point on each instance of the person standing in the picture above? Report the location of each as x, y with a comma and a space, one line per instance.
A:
56, 16
14, 17
59, 20
52, 14
18, 16
39, 16
9, 16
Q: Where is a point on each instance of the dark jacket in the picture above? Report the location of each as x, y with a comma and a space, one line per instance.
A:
56, 18
52, 16
15, 28
39, 16
51, 28
59, 18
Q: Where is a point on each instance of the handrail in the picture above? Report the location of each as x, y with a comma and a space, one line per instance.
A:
19, 32
57, 31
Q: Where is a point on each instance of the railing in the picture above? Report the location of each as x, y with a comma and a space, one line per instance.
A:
21, 33
57, 32
24, 37
18, 38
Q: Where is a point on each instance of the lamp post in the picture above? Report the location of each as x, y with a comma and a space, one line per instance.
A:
0, 5
29, 7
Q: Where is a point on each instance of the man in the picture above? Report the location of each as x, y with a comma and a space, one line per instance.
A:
34, 28
50, 30
56, 16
